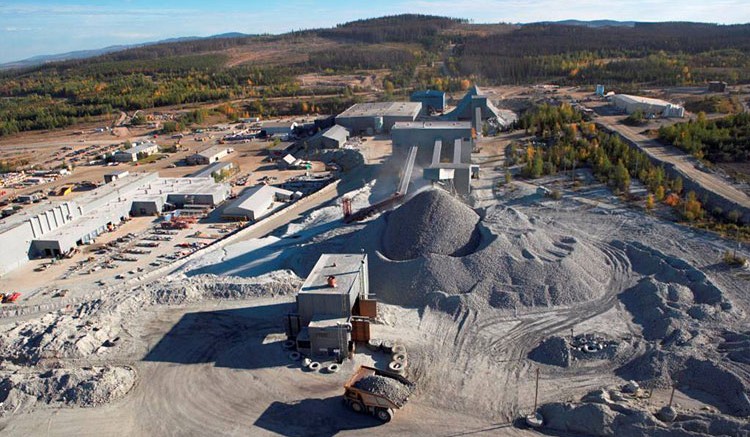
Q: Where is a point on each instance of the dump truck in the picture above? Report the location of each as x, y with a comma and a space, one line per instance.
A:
377, 392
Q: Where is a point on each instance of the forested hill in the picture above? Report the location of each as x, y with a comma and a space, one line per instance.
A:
413, 50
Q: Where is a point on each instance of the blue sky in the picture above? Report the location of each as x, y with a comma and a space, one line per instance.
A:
37, 27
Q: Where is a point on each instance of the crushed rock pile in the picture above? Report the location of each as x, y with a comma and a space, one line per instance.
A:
553, 351
617, 419
65, 387
390, 388
432, 222
519, 263
94, 325
200, 287
680, 311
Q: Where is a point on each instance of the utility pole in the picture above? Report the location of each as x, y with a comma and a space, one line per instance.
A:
536, 390
671, 397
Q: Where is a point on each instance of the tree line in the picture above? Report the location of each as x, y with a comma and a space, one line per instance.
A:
568, 142
722, 140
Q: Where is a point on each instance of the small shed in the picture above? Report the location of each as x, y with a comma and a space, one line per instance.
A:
334, 137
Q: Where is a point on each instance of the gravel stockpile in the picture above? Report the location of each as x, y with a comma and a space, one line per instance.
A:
392, 389
64, 335
597, 419
519, 263
71, 387
432, 222
553, 351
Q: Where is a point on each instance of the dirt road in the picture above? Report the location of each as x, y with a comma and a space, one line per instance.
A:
219, 369
682, 161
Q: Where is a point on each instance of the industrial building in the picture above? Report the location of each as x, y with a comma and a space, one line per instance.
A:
454, 173
334, 137
476, 102
432, 101
55, 228
424, 134
257, 202
282, 129
333, 307
213, 170
136, 152
647, 105
115, 175
210, 155
377, 117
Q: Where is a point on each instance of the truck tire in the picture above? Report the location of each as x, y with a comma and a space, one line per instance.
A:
399, 349
384, 414
289, 344
374, 344
333, 368
294, 356
314, 366
399, 356
387, 346
357, 406
397, 367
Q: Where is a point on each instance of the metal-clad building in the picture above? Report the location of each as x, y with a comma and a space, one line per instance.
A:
278, 128
317, 297
131, 154
424, 134
256, 203
647, 105
431, 100
212, 170
334, 137
476, 98
207, 156
54, 228
115, 175
374, 117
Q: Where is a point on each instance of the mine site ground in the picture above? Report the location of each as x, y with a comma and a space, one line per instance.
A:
197, 349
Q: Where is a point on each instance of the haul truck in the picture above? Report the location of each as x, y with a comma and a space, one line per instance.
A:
379, 405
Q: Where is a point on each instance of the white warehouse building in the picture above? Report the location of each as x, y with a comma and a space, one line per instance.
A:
55, 228
256, 203
647, 105
132, 154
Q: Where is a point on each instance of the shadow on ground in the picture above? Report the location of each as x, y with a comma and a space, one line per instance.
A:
234, 338
313, 417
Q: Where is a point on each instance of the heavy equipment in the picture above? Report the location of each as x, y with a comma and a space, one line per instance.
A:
380, 404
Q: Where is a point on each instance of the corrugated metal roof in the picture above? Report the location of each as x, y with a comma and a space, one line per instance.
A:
337, 132
253, 200
383, 109
139, 148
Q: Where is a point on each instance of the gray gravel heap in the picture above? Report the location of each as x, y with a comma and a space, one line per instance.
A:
553, 351
432, 222
390, 388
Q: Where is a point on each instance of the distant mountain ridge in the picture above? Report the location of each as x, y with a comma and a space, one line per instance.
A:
593, 23
84, 54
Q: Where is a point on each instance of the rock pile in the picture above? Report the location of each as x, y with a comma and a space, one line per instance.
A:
391, 388
432, 222
553, 351
71, 387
